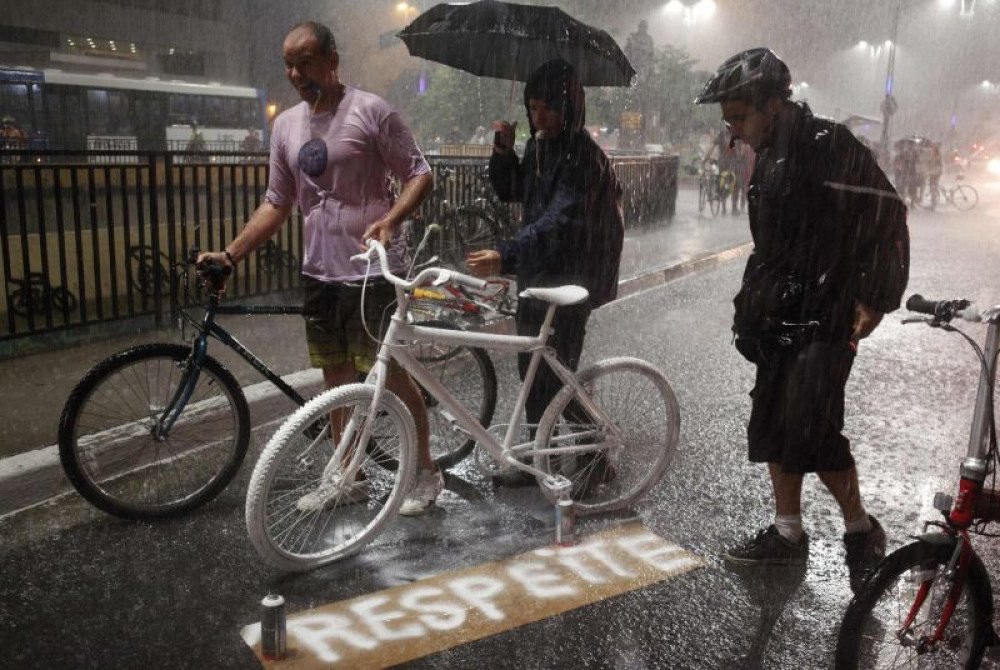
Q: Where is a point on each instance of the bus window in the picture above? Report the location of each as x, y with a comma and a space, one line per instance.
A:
67, 118
185, 109
97, 112
14, 101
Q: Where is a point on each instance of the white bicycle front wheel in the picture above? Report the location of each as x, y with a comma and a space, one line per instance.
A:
300, 513
611, 466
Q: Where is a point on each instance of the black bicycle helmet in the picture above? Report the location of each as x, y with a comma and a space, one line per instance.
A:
752, 74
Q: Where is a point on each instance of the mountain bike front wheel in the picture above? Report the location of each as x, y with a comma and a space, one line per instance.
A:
872, 633
302, 510
964, 197
111, 448
628, 457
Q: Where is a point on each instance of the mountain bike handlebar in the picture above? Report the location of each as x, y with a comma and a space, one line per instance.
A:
943, 311
427, 276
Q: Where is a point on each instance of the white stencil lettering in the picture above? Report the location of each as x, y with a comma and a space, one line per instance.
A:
376, 621
598, 551
538, 581
315, 630
477, 591
651, 550
453, 615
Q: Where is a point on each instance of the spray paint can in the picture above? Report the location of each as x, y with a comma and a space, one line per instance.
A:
272, 627
565, 523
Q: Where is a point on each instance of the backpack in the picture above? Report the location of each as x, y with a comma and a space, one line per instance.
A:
602, 250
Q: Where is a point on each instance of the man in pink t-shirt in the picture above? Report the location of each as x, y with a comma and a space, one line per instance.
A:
334, 155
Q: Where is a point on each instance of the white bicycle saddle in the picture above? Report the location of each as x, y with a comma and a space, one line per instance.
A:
570, 294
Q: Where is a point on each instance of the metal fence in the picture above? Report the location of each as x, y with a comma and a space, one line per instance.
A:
99, 238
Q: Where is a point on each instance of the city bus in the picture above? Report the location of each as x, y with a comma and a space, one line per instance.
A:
79, 112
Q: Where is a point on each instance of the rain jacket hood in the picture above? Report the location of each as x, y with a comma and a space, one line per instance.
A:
557, 85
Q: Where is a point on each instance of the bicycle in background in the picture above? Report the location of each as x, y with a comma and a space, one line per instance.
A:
151, 274
714, 187
960, 195
461, 229
36, 296
929, 604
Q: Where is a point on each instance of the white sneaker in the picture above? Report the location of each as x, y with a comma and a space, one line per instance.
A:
332, 492
420, 499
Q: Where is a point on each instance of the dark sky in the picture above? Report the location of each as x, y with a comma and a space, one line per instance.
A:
942, 57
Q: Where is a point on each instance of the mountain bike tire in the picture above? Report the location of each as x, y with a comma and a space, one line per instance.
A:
106, 441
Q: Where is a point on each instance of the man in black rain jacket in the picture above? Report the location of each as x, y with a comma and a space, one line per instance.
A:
572, 223
831, 256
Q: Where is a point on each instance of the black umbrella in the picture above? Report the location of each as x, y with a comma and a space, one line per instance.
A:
508, 41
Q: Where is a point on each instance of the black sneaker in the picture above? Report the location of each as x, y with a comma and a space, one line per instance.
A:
864, 552
769, 548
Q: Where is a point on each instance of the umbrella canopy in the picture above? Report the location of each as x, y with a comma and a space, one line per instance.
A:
508, 41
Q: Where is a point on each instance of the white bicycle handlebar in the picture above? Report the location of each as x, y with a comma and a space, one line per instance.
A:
427, 276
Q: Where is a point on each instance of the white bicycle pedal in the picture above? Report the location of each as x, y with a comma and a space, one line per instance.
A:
558, 486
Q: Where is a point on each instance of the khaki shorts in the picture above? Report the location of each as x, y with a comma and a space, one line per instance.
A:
334, 330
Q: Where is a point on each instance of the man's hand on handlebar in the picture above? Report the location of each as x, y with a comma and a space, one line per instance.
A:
214, 267
382, 230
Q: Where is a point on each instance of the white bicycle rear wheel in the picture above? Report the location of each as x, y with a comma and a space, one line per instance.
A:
295, 518
638, 447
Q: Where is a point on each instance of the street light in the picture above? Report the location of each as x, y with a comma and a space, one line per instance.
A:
405, 8
692, 10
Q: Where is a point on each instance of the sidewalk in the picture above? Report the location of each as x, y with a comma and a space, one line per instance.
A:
33, 388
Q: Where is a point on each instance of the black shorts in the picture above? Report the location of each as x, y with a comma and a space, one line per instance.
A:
335, 333
797, 416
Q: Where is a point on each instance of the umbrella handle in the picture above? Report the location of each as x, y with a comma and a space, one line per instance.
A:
510, 99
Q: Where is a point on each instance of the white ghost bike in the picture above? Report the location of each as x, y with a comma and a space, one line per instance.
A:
319, 494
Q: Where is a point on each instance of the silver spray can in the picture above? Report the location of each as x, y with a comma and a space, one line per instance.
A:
565, 523
272, 627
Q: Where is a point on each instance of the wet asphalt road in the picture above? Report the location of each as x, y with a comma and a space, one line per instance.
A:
82, 590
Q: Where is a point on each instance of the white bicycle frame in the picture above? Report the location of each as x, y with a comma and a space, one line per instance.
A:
395, 345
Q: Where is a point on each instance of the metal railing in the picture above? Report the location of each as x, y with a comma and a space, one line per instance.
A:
92, 239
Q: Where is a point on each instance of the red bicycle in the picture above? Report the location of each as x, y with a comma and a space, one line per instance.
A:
929, 604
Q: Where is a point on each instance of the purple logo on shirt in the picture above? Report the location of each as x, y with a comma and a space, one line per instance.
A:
312, 157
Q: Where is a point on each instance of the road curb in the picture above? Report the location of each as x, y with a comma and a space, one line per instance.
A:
36, 476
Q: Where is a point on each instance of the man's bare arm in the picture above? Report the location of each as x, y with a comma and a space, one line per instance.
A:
262, 225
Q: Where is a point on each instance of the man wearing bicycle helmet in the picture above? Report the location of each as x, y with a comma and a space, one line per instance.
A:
831, 256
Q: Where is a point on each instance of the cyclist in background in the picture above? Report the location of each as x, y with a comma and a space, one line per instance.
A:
934, 168
728, 157
332, 155
831, 256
